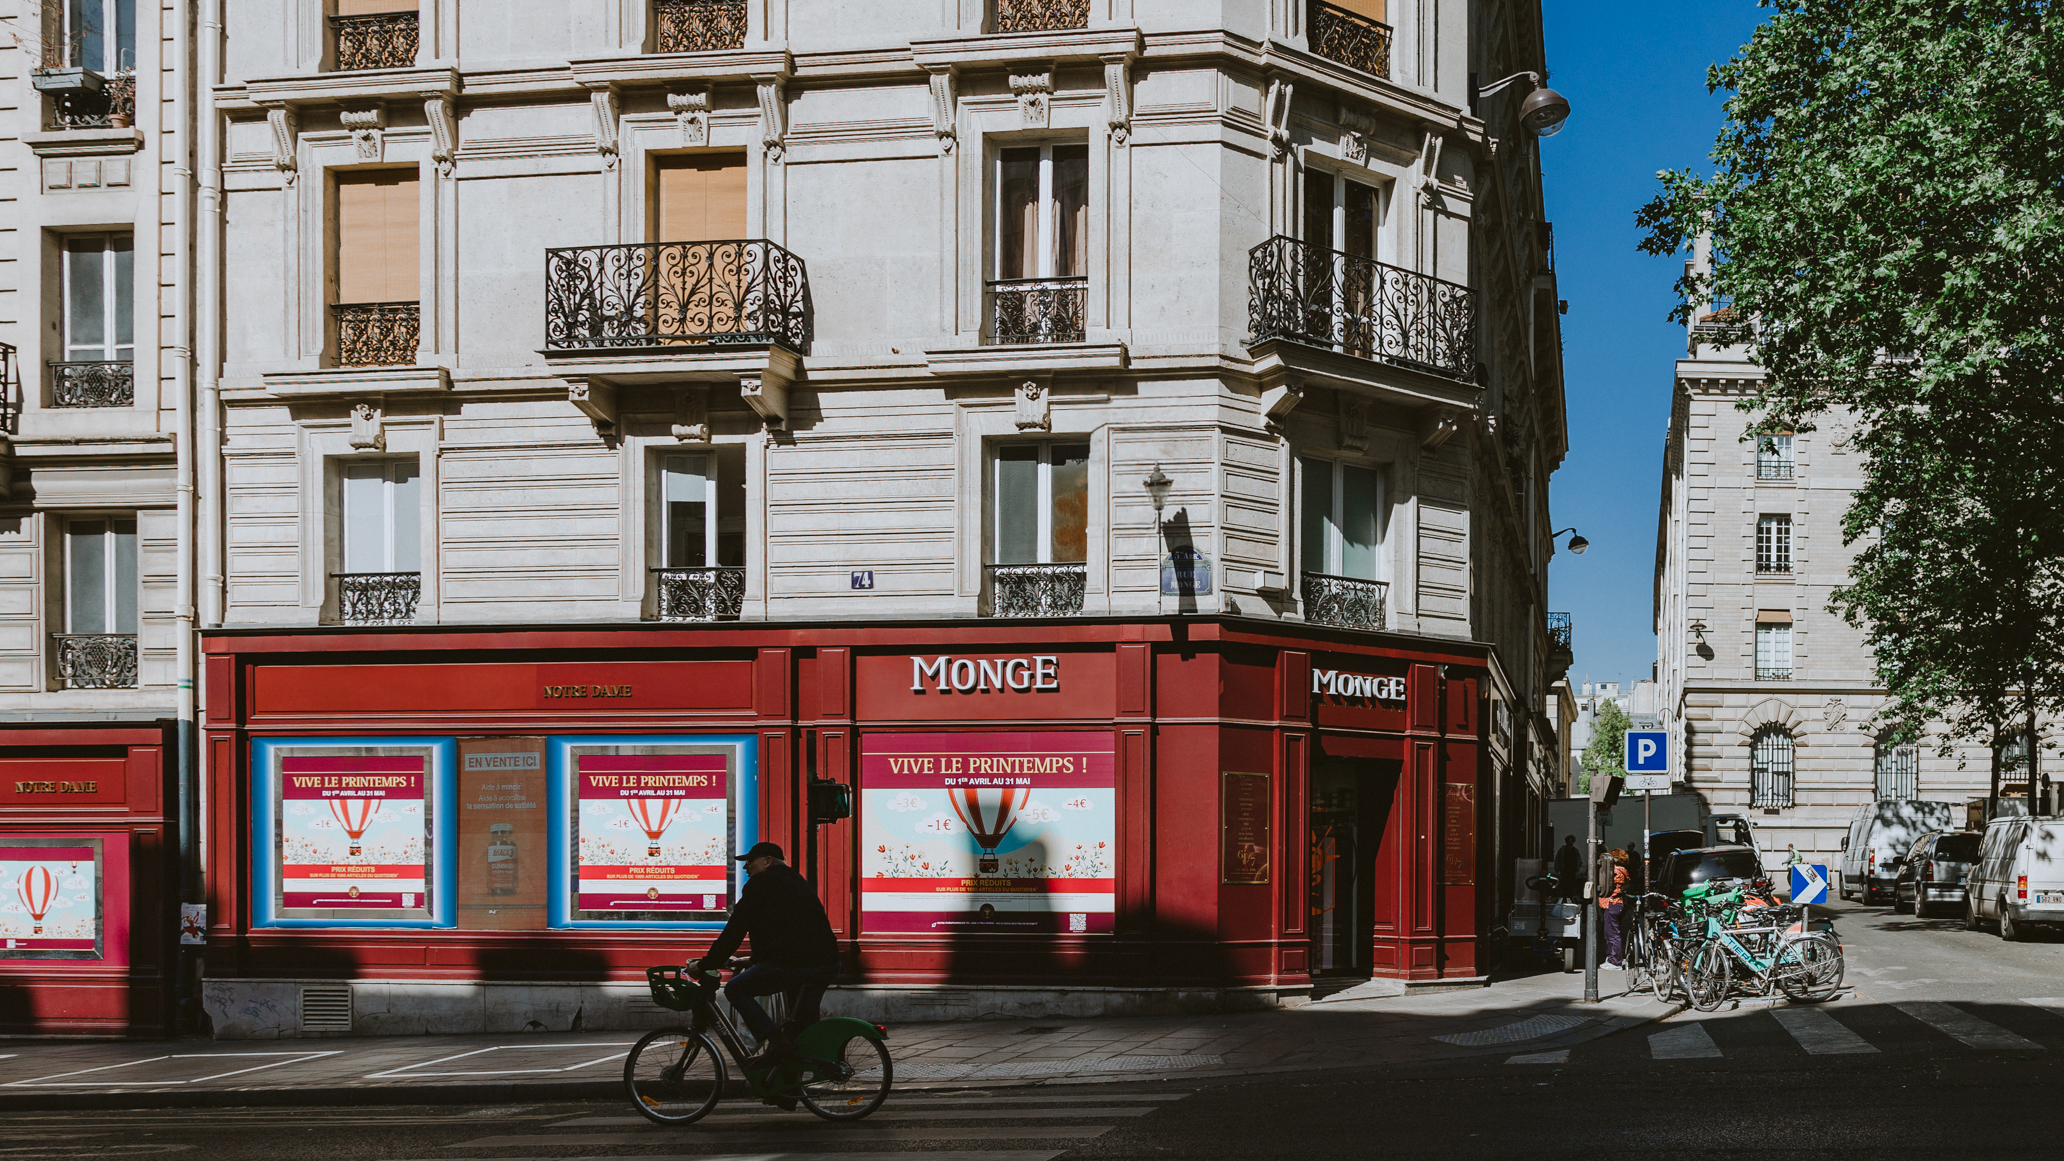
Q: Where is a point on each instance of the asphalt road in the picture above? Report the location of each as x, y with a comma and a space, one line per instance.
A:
1938, 1052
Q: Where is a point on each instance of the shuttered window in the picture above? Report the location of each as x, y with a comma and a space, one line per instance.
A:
376, 7
698, 198
378, 237
1377, 10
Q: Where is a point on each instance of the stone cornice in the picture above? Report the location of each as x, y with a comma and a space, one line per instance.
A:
336, 87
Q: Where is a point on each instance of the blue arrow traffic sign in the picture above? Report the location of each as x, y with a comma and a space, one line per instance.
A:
1809, 883
1648, 752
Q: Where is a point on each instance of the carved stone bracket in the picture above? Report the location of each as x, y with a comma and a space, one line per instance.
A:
691, 415
1278, 116
597, 401
773, 115
367, 127
368, 425
945, 110
1034, 92
1439, 428
1355, 130
692, 109
1034, 405
444, 132
767, 394
1118, 96
286, 131
1427, 173
604, 102
1354, 425
1281, 399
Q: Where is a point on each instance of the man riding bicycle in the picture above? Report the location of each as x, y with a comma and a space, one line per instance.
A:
793, 948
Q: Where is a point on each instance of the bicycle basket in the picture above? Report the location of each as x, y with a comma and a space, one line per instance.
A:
672, 988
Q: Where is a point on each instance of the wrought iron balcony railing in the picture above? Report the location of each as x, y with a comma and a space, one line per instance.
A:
1773, 469
1350, 38
93, 384
1038, 311
1037, 590
378, 334
1773, 673
700, 25
378, 598
676, 294
1560, 635
10, 390
1040, 15
114, 106
95, 660
1358, 306
1345, 601
385, 40
700, 594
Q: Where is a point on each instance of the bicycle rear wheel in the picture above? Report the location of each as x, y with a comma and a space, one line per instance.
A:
861, 1091
1809, 970
1664, 969
675, 1076
1706, 983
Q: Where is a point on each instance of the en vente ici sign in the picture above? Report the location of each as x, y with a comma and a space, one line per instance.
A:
985, 675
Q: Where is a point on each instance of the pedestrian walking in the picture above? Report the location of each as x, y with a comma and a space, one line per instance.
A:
1569, 869
1613, 905
1792, 857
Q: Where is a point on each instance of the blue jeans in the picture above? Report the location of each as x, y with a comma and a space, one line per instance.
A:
767, 979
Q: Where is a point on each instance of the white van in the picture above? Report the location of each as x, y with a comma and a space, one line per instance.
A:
2018, 880
1880, 836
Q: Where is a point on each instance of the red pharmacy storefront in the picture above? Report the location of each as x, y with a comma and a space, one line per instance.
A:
88, 879
430, 830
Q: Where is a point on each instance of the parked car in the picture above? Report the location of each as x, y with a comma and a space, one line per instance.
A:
1689, 868
1664, 843
1732, 830
1879, 838
1932, 874
2018, 880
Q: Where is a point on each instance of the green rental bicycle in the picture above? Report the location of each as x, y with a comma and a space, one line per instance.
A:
840, 1069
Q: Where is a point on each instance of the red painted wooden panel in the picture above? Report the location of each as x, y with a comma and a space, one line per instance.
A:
39, 784
833, 682
1424, 713
1295, 777
146, 779
883, 684
773, 683
1134, 673
219, 689
1293, 700
835, 840
1135, 856
422, 690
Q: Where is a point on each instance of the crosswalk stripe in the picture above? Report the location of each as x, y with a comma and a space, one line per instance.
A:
846, 1135
2053, 1004
1964, 1026
942, 1155
965, 1106
886, 1116
1685, 1042
1559, 1056
1819, 1033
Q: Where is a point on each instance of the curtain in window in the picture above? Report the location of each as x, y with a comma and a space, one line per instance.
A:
381, 517
1018, 188
378, 237
1071, 210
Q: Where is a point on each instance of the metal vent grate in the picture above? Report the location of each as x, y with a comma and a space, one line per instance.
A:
326, 1009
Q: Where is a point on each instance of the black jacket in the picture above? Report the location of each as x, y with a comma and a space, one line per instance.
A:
786, 922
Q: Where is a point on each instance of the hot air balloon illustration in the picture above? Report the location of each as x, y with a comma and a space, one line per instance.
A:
988, 815
653, 816
38, 890
353, 814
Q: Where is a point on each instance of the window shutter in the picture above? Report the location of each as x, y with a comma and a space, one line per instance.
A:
1376, 10
378, 237
699, 198
376, 7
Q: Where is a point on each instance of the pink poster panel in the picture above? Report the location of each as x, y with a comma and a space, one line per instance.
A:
1002, 833
354, 832
50, 907
654, 833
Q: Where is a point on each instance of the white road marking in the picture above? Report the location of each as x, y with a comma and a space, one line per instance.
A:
941, 1155
1819, 1033
1685, 1042
2048, 1003
1966, 1027
853, 1135
56, 1079
409, 1070
1559, 1056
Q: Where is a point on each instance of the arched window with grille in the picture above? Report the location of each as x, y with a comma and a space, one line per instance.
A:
1899, 769
1770, 767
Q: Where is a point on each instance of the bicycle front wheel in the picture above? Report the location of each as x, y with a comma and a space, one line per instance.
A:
1663, 968
861, 1089
675, 1076
1809, 970
1705, 984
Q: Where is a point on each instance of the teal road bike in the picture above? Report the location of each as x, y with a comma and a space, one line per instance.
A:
1781, 955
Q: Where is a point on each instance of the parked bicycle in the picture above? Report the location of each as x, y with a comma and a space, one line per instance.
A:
1757, 950
840, 1069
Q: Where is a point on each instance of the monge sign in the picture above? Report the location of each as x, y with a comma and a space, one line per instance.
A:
1357, 685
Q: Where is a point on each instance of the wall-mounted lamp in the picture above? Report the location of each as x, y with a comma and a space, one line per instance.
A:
1157, 489
1544, 110
1577, 543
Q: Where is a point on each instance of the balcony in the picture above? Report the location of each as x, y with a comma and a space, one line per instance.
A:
377, 598
1357, 306
700, 25
1344, 601
1040, 15
1562, 652
93, 384
111, 104
10, 391
1037, 590
672, 295
1773, 673
1038, 311
700, 594
95, 660
386, 40
1351, 39
1772, 468
378, 334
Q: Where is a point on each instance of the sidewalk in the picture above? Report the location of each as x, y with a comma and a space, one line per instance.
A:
1367, 1026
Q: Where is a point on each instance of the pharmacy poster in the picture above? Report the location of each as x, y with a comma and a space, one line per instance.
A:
651, 826
359, 833
988, 832
51, 906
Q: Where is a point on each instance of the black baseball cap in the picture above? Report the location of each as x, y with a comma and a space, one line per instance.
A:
762, 851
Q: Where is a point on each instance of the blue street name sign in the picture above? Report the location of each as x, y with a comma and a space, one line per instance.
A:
1648, 752
1809, 883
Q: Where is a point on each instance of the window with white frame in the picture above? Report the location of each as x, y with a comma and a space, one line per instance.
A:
1039, 504
1039, 291
1774, 544
100, 575
1773, 649
381, 517
702, 510
99, 279
1343, 520
99, 34
1346, 215
1774, 457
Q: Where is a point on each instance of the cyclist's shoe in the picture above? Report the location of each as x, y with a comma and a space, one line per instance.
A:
779, 1048
785, 1104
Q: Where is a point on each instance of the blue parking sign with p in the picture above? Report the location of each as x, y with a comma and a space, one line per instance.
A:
1648, 752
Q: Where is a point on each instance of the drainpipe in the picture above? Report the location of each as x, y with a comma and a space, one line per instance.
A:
187, 1004
203, 453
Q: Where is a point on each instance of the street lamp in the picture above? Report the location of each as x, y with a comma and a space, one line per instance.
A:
1543, 111
1577, 543
1157, 490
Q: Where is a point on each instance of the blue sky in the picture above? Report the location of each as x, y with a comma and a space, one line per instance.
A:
1635, 76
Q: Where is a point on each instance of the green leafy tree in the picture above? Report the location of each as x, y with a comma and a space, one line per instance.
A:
1886, 215
1606, 754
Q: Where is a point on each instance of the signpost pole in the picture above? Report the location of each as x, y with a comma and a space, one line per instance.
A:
1591, 917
